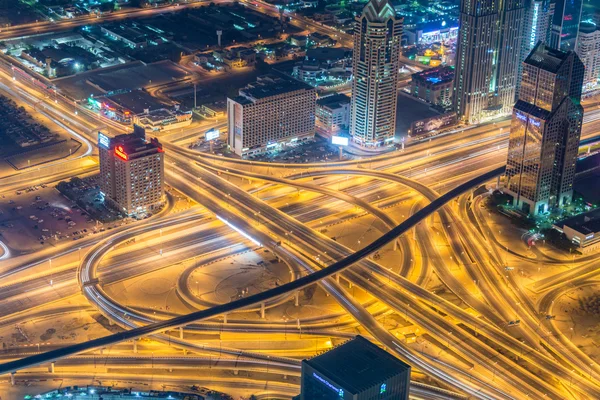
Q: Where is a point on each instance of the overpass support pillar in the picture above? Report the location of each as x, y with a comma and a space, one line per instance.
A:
135, 346
224, 318
262, 310
292, 276
51, 369
498, 182
185, 352
12, 378
396, 244
181, 332
337, 277
235, 371
589, 150
297, 298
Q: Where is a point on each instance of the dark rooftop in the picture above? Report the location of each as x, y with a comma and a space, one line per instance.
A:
435, 76
328, 53
357, 364
531, 109
546, 58
136, 101
334, 101
271, 85
585, 223
134, 145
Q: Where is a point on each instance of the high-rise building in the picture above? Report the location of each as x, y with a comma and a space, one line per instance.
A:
269, 113
131, 172
487, 58
537, 25
588, 50
545, 131
375, 64
565, 24
356, 370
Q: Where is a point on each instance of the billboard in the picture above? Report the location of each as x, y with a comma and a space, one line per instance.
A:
339, 140
120, 152
212, 134
103, 140
428, 125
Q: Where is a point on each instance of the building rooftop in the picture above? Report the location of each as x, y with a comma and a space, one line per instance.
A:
271, 85
585, 223
531, 109
136, 101
334, 101
546, 58
357, 364
328, 53
435, 76
588, 27
379, 10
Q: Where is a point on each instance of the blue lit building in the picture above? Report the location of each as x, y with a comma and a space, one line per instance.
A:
434, 85
356, 370
565, 26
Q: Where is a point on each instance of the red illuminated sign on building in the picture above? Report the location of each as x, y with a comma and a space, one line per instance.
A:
121, 153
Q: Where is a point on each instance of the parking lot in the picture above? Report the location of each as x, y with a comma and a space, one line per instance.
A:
40, 216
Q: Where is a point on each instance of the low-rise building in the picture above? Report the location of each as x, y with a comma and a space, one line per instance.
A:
582, 230
434, 86
139, 107
269, 113
333, 113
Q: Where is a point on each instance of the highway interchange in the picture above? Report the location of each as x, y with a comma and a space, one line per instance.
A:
425, 219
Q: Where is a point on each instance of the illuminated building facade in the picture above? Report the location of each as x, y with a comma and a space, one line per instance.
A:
537, 25
434, 85
487, 58
356, 370
588, 50
131, 172
545, 131
565, 24
375, 65
269, 113
333, 113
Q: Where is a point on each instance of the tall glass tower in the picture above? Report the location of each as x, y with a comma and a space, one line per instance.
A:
545, 131
487, 58
375, 64
565, 25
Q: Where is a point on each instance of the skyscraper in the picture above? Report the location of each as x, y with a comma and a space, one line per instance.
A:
545, 131
375, 64
565, 24
487, 58
588, 50
537, 25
